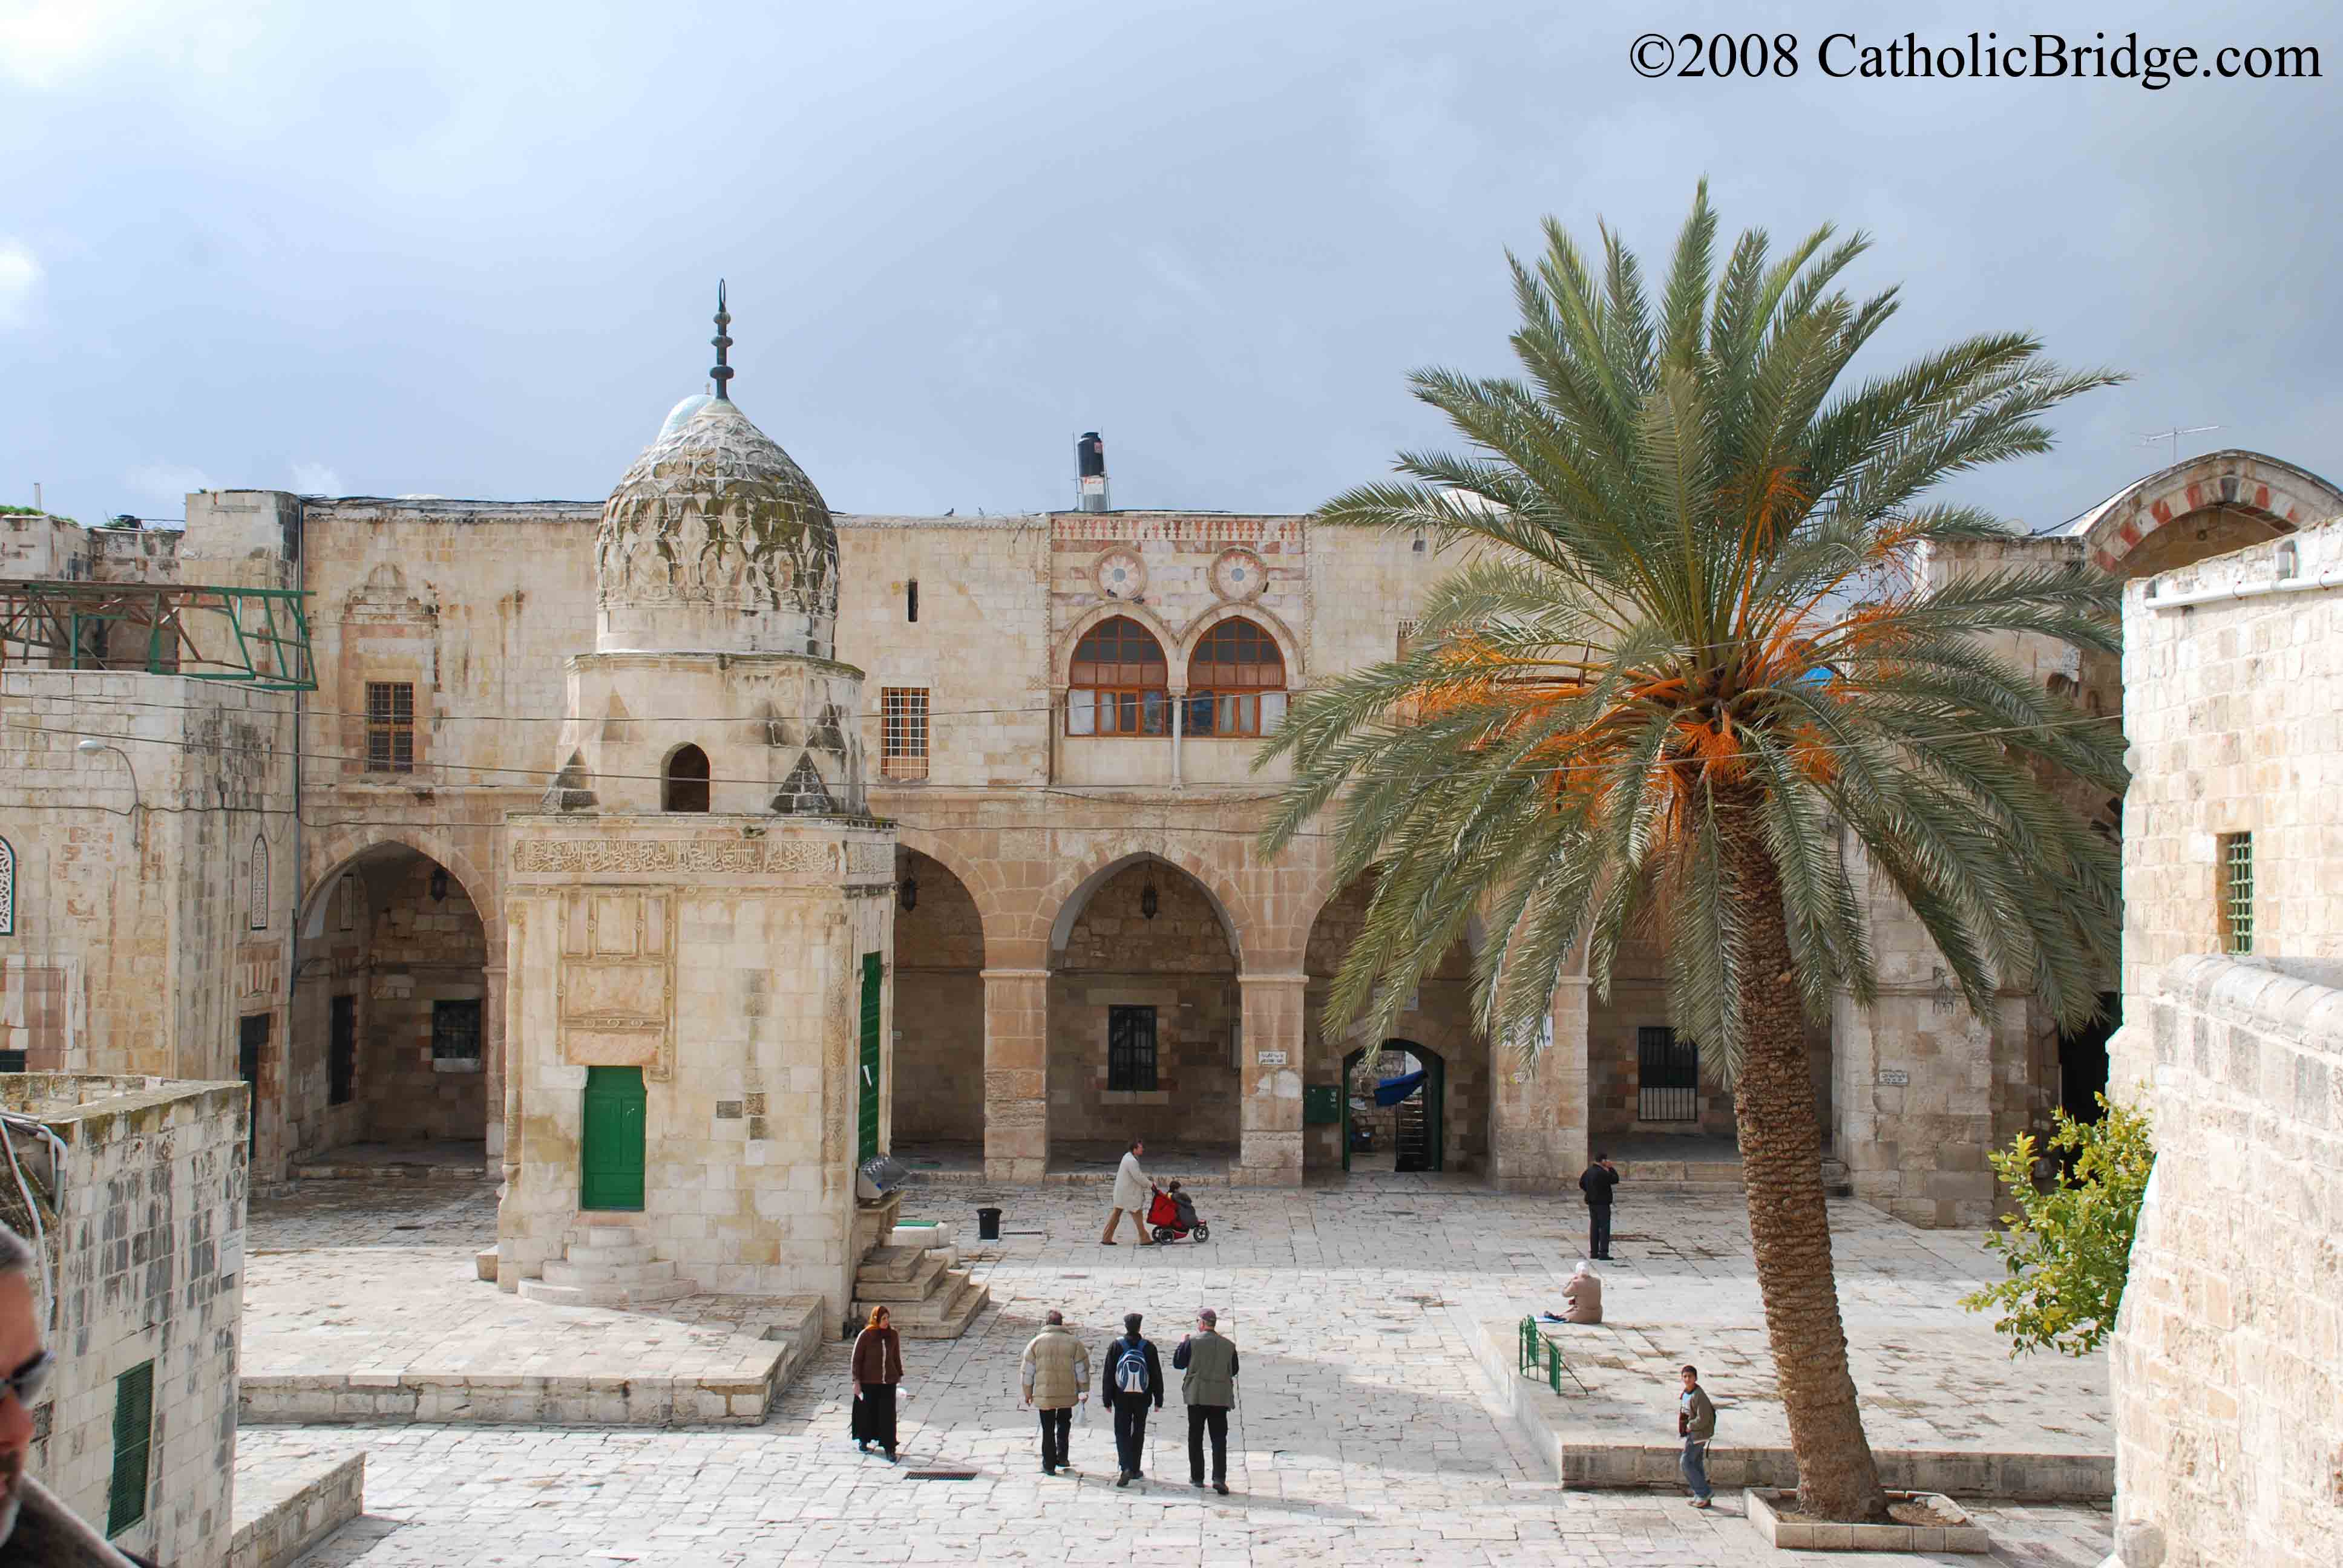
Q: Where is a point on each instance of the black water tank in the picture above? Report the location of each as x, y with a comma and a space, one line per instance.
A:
1089, 454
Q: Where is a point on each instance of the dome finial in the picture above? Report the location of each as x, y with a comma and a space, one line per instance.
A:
722, 373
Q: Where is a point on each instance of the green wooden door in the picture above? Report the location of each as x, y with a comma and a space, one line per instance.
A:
610, 1160
866, 1122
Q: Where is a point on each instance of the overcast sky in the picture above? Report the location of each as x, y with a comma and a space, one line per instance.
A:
470, 249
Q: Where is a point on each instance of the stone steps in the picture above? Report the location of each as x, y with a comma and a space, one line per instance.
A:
925, 1296
917, 1288
944, 1315
607, 1266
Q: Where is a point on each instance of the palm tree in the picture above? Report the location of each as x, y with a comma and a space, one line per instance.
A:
1686, 674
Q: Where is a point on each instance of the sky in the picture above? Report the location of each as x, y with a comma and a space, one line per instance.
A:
471, 250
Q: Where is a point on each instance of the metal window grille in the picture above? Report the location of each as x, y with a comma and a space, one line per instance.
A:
342, 1055
390, 727
14, 1061
903, 732
2238, 892
1667, 1076
134, 1435
455, 1031
1130, 1048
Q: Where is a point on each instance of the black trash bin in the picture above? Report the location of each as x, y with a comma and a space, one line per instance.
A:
988, 1224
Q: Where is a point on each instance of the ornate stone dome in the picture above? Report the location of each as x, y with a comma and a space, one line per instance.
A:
716, 539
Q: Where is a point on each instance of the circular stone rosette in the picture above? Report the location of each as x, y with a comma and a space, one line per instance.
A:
1121, 574
1239, 575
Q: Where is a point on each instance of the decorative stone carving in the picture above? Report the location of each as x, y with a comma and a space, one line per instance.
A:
1121, 574
657, 856
1239, 575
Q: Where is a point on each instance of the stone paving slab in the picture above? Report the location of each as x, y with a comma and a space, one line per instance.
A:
1363, 1433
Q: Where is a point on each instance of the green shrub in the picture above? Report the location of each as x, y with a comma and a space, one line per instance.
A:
2068, 1246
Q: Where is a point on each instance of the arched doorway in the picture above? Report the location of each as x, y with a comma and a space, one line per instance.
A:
389, 1039
1394, 1109
938, 1077
1145, 1012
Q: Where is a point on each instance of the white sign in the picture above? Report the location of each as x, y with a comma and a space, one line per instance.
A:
1893, 1077
1270, 1058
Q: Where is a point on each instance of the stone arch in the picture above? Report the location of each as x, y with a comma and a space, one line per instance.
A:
2237, 498
342, 845
1061, 658
1288, 645
1221, 898
938, 956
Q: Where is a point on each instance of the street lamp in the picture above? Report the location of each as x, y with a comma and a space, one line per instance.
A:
91, 748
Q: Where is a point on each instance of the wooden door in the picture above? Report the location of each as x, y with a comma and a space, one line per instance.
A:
610, 1156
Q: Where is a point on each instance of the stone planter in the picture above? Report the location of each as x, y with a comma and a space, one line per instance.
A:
1808, 1535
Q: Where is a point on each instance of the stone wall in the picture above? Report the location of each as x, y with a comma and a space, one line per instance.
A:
146, 1244
424, 952
2227, 1360
939, 968
2231, 709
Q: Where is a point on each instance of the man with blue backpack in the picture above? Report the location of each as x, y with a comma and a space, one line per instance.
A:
1133, 1374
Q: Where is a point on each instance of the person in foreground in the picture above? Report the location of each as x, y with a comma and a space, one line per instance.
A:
878, 1367
1210, 1388
1056, 1373
1695, 1423
1133, 1376
36, 1530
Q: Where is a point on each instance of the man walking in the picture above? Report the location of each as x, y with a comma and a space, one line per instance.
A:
1596, 1183
1132, 1187
1056, 1371
1695, 1423
1210, 1388
1134, 1376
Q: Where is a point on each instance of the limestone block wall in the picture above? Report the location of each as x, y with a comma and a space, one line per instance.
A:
2235, 715
147, 1247
423, 951
2228, 1400
40, 546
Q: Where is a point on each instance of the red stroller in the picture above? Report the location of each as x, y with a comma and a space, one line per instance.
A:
1173, 1216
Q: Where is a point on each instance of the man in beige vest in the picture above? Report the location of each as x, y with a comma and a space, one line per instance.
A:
1056, 1371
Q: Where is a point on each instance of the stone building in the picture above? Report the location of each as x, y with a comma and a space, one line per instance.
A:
1059, 718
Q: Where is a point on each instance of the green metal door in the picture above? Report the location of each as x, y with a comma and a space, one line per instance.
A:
866, 1123
610, 1158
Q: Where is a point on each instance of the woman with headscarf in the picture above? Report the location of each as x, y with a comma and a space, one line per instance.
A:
878, 1367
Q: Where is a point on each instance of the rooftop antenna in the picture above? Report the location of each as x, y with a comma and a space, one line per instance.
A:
2174, 435
722, 373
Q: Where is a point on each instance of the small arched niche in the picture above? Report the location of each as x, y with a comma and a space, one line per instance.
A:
684, 786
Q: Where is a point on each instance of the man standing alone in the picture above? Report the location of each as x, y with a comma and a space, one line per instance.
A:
1057, 1377
1133, 1374
1210, 1388
1131, 1190
1696, 1425
1596, 1183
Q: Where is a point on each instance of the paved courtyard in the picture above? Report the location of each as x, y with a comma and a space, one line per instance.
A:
1363, 1432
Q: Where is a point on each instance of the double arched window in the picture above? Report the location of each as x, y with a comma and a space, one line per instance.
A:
1121, 683
1236, 682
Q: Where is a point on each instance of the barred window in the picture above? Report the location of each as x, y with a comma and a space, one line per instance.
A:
2237, 892
903, 732
390, 727
1236, 682
1120, 681
1130, 1048
455, 1031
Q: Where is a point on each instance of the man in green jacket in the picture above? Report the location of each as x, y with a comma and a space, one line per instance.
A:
1210, 1388
1696, 1425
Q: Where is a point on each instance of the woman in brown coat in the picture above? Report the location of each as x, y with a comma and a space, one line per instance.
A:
878, 1367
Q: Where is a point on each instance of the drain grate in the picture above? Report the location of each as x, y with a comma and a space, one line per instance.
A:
940, 1475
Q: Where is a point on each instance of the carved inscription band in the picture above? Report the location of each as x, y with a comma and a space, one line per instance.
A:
658, 856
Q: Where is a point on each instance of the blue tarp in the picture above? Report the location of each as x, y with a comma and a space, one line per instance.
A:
1391, 1091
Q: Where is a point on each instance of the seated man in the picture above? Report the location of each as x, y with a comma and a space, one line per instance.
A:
1581, 1297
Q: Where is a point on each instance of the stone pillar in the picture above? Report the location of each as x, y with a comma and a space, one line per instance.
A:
1016, 1074
492, 1051
1269, 1149
1537, 1113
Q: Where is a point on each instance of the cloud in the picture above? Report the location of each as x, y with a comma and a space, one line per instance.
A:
166, 482
316, 479
45, 43
20, 273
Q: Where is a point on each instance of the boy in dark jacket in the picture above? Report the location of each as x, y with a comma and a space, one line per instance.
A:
1128, 1362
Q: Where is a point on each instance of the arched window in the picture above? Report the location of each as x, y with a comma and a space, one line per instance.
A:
7, 888
1121, 682
258, 913
686, 780
1236, 682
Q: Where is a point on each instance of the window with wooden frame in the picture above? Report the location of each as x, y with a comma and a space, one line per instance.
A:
1120, 683
903, 732
390, 727
1236, 682
2237, 892
1130, 1048
134, 1437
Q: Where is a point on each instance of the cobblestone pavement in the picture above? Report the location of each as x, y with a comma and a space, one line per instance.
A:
1361, 1435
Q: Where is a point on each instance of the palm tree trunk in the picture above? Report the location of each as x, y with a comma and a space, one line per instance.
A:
1789, 1227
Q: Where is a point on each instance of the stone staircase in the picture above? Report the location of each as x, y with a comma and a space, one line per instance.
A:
611, 1266
924, 1295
